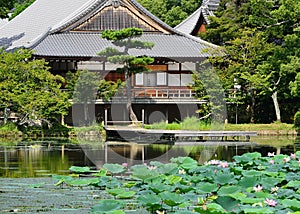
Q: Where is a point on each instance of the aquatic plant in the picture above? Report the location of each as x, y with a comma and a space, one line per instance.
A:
249, 184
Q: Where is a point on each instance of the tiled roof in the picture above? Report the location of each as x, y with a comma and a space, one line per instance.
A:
48, 28
207, 8
37, 19
89, 44
97, 6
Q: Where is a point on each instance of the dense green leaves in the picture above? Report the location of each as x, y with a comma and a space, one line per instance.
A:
184, 186
261, 38
29, 89
114, 168
5, 7
107, 206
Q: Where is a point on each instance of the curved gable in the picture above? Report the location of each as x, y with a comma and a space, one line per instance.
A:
112, 16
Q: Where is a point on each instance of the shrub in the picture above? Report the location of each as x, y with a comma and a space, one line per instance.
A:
9, 127
190, 123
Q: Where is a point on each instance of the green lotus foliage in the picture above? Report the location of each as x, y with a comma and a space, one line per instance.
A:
250, 184
78, 169
114, 168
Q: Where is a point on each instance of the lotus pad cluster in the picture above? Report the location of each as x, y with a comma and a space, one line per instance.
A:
250, 184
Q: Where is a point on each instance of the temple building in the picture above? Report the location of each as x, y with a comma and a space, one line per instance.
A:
67, 34
196, 23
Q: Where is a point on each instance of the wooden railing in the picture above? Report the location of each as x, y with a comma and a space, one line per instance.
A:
159, 93
152, 93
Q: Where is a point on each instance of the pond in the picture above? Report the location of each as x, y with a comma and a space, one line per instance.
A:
40, 158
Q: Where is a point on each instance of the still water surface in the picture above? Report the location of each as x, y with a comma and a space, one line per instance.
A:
31, 158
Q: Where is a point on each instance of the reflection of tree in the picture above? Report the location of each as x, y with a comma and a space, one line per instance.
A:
30, 160
85, 91
207, 87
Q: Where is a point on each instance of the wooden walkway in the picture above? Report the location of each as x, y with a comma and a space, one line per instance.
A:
159, 136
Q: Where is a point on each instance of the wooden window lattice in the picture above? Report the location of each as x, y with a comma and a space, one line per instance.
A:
114, 19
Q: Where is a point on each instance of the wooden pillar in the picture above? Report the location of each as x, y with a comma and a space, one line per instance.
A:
105, 118
143, 118
167, 114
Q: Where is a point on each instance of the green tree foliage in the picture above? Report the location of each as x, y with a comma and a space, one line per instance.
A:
175, 16
262, 41
107, 89
297, 122
127, 38
171, 12
5, 7
295, 86
29, 89
85, 85
208, 87
20, 7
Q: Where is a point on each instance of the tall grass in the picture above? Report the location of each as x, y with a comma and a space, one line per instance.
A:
189, 123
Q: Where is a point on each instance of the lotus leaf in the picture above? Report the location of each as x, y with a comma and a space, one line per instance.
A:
184, 212
101, 172
149, 200
38, 185
189, 163
114, 168
293, 184
228, 203
247, 158
178, 160
184, 188
61, 179
250, 173
225, 178
215, 208
160, 187
172, 179
292, 204
269, 182
226, 190
106, 206
292, 176
285, 193
252, 200
238, 196
126, 195
138, 167
156, 163
168, 169
109, 182
130, 184
206, 187
171, 199
144, 173
115, 192
110, 212
78, 169
258, 210
82, 182
262, 195
248, 182
279, 158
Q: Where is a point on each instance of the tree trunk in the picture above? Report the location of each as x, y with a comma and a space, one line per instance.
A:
6, 115
252, 108
276, 105
131, 113
85, 112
